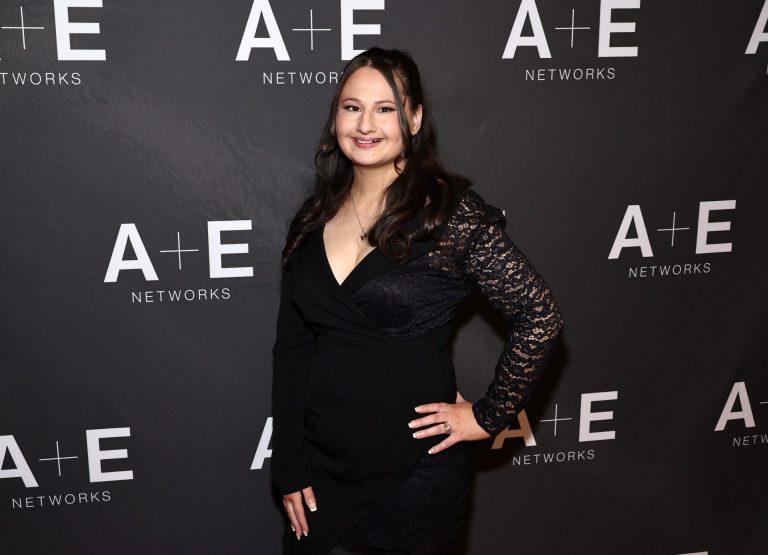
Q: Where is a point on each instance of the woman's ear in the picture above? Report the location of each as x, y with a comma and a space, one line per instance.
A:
416, 120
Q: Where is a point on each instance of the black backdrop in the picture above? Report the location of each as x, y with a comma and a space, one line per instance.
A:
628, 153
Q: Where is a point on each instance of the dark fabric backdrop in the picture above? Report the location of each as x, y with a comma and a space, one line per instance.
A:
629, 154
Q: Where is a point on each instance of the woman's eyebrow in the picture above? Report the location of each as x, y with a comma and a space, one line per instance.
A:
376, 102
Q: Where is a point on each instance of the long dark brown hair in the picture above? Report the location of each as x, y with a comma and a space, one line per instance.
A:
422, 178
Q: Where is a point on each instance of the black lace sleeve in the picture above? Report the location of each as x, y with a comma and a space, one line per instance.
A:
492, 264
294, 344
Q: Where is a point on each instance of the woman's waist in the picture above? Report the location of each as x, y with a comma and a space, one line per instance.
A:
341, 347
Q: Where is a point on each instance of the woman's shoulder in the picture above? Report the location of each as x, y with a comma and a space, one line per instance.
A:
471, 217
471, 210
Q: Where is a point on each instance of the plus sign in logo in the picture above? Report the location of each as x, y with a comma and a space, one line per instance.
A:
569, 427
312, 30
22, 28
705, 237
178, 250
19, 468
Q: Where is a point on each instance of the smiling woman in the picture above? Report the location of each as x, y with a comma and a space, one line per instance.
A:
370, 446
367, 123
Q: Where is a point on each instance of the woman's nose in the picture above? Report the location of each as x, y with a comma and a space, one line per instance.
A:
365, 122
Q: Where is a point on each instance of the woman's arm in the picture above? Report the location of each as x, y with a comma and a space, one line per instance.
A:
292, 352
494, 266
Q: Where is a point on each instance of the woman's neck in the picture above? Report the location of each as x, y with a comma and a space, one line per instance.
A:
370, 185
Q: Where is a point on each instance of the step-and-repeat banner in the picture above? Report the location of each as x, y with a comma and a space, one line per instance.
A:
153, 152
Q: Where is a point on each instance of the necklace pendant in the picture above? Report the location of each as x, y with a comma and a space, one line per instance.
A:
363, 236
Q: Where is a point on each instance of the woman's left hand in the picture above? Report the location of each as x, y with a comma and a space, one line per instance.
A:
459, 416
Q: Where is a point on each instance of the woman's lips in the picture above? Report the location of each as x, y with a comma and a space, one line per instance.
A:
365, 143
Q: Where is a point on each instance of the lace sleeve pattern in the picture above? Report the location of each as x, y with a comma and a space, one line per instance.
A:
492, 264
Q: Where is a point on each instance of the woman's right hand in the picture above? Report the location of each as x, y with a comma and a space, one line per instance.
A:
294, 507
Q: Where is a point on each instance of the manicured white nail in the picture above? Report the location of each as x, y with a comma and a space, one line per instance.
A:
292, 528
312, 507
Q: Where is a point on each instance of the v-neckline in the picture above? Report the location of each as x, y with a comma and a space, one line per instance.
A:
328, 261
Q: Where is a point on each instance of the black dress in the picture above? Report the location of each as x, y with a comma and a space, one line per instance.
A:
352, 360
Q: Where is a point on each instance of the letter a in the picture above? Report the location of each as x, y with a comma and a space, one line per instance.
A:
759, 34
538, 39
263, 452
739, 391
633, 214
273, 41
117, 262
8, 445
524, 431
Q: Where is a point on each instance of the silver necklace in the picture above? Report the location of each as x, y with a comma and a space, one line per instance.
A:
364, 233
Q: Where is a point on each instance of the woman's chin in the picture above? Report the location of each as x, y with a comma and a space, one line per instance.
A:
370, 164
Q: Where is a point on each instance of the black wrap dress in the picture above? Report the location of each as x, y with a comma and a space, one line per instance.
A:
352, 360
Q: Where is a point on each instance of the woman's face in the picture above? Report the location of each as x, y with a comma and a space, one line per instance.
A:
367, 127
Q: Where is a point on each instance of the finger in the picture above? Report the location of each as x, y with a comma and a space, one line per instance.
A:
431, 407
434, 417
285, 507
292, 517
433, 431
443, 445
309, 498
298, 510
425, 421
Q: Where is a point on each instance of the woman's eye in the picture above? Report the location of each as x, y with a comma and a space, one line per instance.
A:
352, 108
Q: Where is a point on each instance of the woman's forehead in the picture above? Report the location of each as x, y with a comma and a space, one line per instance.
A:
369, 82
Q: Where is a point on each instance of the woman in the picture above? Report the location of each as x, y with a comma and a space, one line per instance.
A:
370, 435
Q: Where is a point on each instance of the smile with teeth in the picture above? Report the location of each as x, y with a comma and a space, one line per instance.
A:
365, 142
